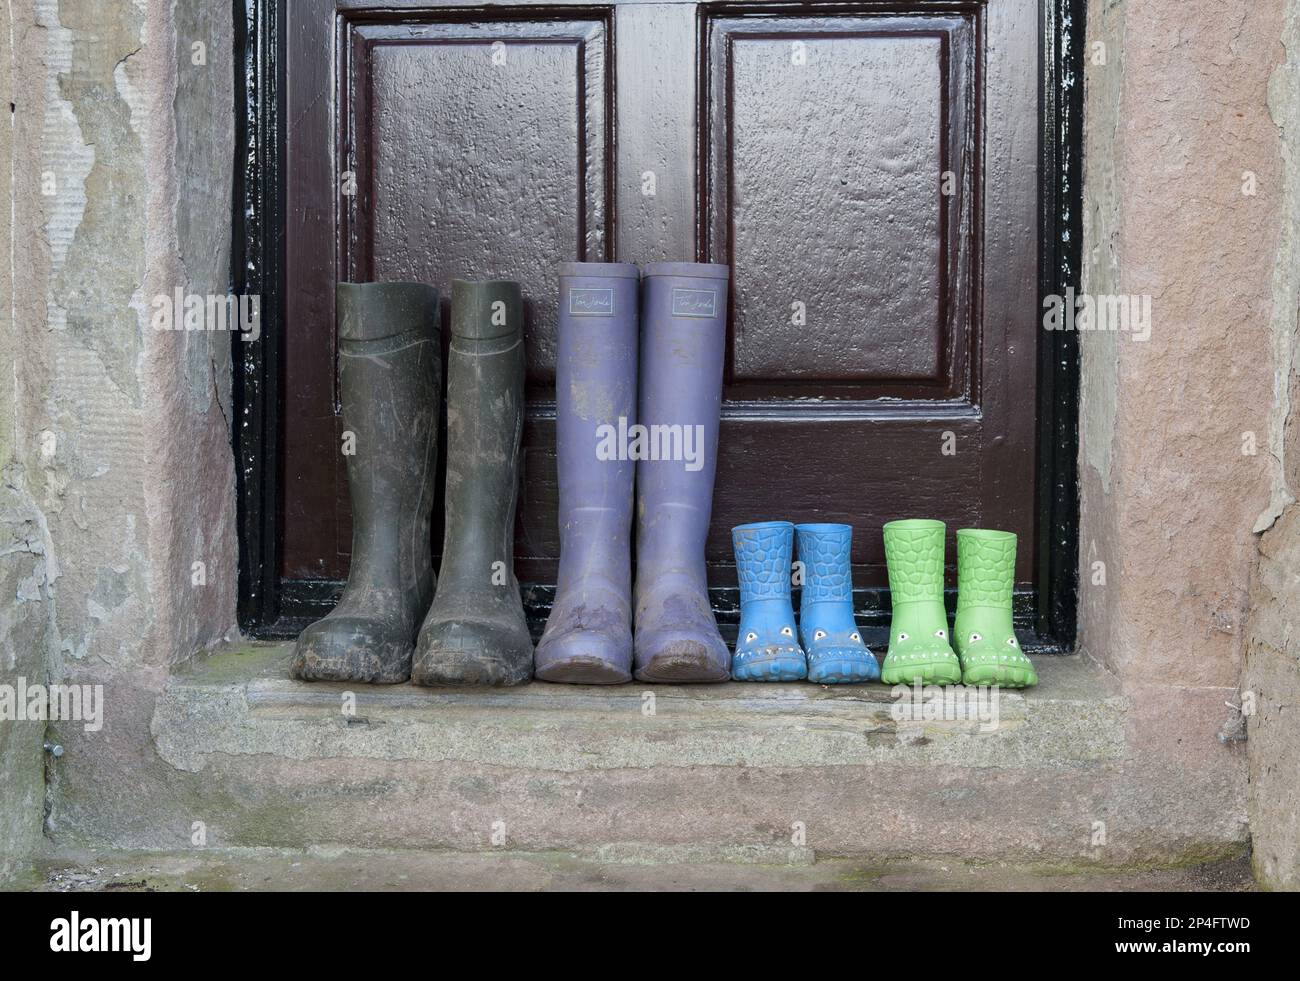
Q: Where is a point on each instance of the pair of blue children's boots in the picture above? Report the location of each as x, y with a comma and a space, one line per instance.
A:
828, 648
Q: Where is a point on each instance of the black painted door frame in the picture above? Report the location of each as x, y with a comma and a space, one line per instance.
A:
272, 607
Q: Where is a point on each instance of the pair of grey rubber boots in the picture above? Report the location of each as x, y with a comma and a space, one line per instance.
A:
393, 622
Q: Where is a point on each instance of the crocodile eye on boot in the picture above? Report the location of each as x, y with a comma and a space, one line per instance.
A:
475, 632
588, 638
683, 337
390, 380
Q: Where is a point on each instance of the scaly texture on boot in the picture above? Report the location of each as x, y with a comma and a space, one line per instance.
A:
836, 653
390, 384
766, 648
475, 632
683, 339
982, 632
588, 638
918, 629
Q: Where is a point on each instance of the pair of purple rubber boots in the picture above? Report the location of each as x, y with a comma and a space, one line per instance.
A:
639, 366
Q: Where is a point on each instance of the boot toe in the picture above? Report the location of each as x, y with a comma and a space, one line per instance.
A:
455, 652
932, 665
842, 665
580, 652
986, 665
770, 663
684, 657
584, 658
352, 649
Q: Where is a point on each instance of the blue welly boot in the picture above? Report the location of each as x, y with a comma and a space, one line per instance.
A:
836, 653
766, 648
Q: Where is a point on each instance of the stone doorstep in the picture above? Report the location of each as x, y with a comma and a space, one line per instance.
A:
241, 702
640, 869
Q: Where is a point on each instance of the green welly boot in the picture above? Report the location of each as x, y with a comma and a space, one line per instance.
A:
918, 631
986, 571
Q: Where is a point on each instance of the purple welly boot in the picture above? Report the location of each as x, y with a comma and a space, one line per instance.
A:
684, 317
588, 638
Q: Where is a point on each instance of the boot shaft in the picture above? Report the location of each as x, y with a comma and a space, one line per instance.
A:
683, 341
485, 411
763, 552
595, 395
914, 555
389, 344
986, 568
824, 554
596, 402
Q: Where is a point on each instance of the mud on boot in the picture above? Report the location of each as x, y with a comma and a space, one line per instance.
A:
919, 649
766, 646
982, 633
390, 382
831, 638
475, 632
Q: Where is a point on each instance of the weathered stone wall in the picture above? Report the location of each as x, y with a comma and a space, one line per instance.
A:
1183, 187
28, 567
1272, 682
118, 471
1177, 124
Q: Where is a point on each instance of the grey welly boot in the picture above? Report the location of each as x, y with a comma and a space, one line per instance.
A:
683, 341
475, 632
588, 639
390, 380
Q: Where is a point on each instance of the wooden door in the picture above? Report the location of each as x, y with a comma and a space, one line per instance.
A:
868, 170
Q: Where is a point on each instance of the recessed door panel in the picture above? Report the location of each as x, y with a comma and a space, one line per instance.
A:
831, 141
482, 148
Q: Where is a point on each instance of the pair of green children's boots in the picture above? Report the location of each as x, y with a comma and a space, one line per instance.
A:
920, 649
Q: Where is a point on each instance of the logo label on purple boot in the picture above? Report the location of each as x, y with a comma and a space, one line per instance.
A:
591, 302
695, 303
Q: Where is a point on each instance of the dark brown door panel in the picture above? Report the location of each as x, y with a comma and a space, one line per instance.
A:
831, 143
482, 152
